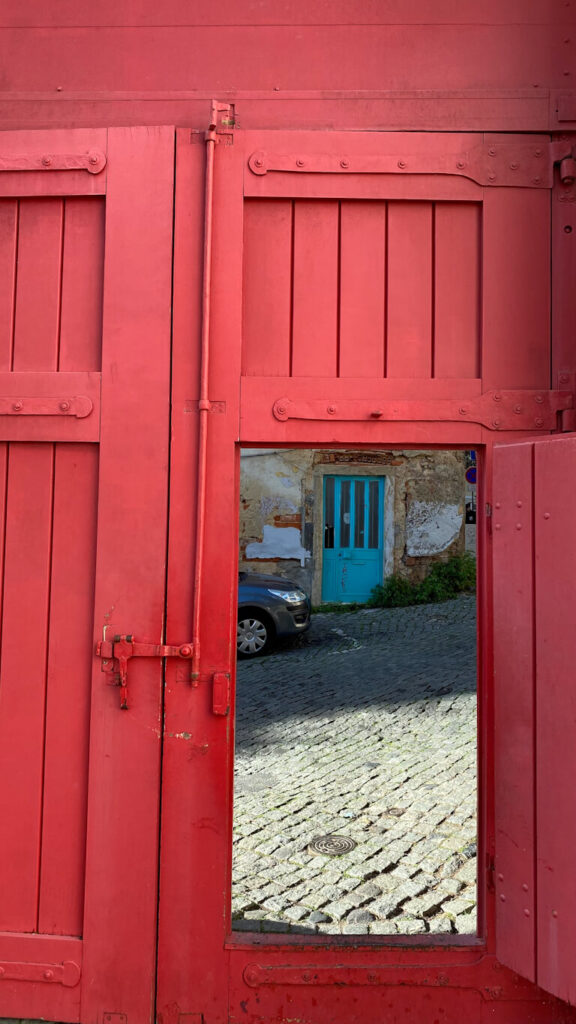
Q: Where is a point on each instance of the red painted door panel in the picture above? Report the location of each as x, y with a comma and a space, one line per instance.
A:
535, 712
84, 328
338, 281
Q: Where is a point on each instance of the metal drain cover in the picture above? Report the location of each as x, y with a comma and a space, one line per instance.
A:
332, 846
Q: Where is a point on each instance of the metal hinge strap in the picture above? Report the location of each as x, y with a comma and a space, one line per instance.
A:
79, 406
117, 652
93, 161
66, 973
497, 410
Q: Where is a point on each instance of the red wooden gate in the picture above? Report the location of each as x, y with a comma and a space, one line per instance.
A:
85, 250
367, 289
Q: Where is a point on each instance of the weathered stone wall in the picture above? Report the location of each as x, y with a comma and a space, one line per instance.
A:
281, 525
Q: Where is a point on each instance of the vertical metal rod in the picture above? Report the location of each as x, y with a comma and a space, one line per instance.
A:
204, 403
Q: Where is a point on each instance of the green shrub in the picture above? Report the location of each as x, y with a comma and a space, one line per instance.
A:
444, 581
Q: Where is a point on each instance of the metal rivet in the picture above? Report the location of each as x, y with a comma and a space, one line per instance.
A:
513, 166
568, 229
497, 527
564, 378
491, 177
16, 406
47, 161
496, 424
525, 887
331, 409
546, 515
185, 651
461, 164
497, 397
462, 410
517, 409
344, 163
2, 971
538, 399
64, 406
258, 161
518, 504
401, 164
500, 877
526, 912
281, 410
537, 152
497, 505
502, 897
518, 526
554, 913
537, 180
93, 158
48, 975
300, 162
538, 422
491, 152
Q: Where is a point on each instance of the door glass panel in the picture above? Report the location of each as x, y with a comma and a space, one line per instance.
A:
329, 512
345, 514
359, 490
355, 774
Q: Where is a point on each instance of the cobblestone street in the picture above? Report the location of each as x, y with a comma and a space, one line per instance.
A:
365, 729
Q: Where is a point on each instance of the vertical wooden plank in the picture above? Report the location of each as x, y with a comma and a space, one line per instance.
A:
8, 254
178, 952
516, 288
82, 267
124, 772
410, 285
68, 690
26, 594
23, 679
514, 721
362, 289
315, 312
72, 590
267, 287
457, 278
555, 493
37, 316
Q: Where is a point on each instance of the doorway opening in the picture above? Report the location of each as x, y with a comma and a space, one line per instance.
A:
356, 790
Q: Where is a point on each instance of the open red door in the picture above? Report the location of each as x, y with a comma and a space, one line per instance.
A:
535, 709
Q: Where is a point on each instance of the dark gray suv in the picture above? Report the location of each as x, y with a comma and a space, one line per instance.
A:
269, 608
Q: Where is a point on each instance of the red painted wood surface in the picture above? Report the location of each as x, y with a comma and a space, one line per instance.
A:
514, 710
535, 709
80, 779
257, 256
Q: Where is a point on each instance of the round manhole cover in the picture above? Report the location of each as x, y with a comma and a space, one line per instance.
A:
332, 846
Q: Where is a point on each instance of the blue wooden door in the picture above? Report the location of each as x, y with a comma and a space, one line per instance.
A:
353, 537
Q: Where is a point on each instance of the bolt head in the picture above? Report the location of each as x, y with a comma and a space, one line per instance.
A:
331, 409
491, 151
47, 161
185, 650
64, 406
344, 164
564, 378
496, 424
491, 177
513, 166
401, 164
537, 180
48, 975
300, 162
538, 422
461, 164
16, 406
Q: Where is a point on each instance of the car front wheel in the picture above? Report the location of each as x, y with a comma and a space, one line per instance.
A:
253, 637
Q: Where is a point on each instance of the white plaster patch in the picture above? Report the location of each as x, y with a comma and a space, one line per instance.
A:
278, 542
431, 526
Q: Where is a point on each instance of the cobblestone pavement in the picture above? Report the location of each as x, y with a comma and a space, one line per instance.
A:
364, 729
